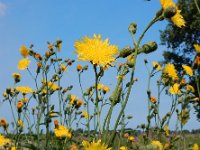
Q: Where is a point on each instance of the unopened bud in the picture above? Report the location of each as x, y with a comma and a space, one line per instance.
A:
126, 51
132, 28
149, 47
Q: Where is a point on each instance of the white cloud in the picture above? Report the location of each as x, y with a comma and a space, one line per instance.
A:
2, 9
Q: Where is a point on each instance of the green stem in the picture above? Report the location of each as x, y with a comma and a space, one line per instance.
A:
131, 80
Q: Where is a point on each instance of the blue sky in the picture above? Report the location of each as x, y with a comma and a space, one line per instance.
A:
25, 22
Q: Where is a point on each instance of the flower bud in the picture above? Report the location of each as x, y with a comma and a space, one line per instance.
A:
130, 61
148, 47
132, 28
115, 97
126, 51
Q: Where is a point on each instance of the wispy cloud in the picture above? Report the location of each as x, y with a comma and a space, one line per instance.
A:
2, 9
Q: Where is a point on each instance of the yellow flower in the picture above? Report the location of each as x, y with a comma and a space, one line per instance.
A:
156, 66
16, 75
131, 138
24, 51
85, 114
100, 86
63, 67
3, 141
123, 148
158, 144
24, 99
53, 86
190, 88
177, 19
106, 89
95, 50
170, 71
95, 145
195, 147
197, 48
166, 129
20, 123
62, 132
13, 148
3, 123
167, 146
153, 99
24, 89
188, 70
23, 64
175, 89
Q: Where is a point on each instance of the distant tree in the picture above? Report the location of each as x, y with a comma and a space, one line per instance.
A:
180, 41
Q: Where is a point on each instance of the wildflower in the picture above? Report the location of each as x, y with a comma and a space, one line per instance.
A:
79, 103
175, 89
52, 114
121, 77
177, 18
50, 46
19, 106
24, 51
197, 48
123, 148
153, 99
16, 76
167, 146
20, 123
38, 56
195, 147
23, 64
188, 70
131, 138
79, 67
106, 89
126, 135
95, 145
3, 123
5, 95
73, 99
85, 114
4, 141
190, 88
53, 86
74, 147
170, 71
166, 129
63, 68
95, 50
62, 132
158, 144
197, 60
24, 89
156, 66
13, 148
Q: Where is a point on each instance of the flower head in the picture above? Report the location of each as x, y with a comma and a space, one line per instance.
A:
24, 89
197, 48
170, 71
62, 132
23, 64
95, 145
195, 147
4, 141
175, 89
156, 66
158, 144
131, 138
85, 114
123, 148
3, 123
177, 18
188, 70
24, 51
153, 99
95, 50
